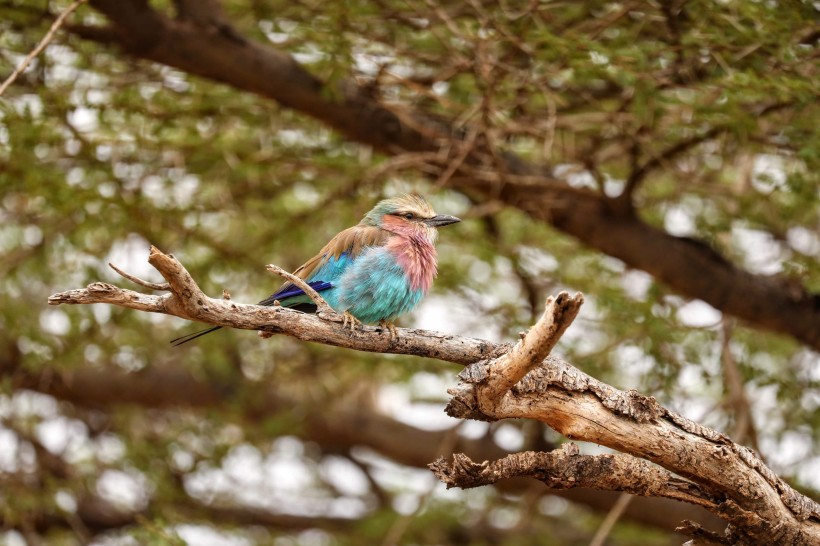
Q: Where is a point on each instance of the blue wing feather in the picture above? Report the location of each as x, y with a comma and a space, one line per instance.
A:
291, 290
322, 280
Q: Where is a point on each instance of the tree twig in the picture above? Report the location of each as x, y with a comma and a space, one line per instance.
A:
744, 427
40, 46
323, 308
611, 519
136, 280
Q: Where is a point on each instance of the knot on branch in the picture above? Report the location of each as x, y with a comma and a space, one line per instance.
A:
462, 472
476, 372
101, 287
642, 409
464, 404
80, 295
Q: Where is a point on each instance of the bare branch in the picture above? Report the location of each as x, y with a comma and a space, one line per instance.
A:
566, 468
612, 517
580, 407
744, 427
186, 300
41, 46
137, 280
101, 292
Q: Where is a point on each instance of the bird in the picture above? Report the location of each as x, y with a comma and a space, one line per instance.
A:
372, 272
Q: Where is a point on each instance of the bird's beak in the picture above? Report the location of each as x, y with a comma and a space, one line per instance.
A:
441, 220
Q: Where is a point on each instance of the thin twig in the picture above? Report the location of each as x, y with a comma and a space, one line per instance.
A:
136, 280
467, 146
638, 175
611, 519
322, 306
41, 46
552, 121
744, 430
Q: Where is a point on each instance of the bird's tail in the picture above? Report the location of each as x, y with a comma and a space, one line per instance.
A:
193, 335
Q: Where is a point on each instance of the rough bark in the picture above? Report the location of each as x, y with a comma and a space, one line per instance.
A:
713, 472
215, 50
566, 468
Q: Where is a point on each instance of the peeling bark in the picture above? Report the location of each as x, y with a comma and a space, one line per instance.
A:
566, 468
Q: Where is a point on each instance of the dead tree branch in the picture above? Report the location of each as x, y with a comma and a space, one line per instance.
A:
186, 300
712, 471
567, 468
530, 351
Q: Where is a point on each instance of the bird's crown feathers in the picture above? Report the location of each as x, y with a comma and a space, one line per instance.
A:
407, 204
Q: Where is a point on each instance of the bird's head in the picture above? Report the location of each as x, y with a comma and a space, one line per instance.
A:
407, 215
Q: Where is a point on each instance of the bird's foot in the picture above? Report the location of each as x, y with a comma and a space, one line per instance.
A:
349, 321
390, 327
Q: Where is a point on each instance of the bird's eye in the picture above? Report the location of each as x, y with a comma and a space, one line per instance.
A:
409, 215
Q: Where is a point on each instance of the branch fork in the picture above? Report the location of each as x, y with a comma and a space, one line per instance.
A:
663, 454
529, 353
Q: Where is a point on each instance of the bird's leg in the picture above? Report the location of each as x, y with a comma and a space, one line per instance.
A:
349, 321
390, 327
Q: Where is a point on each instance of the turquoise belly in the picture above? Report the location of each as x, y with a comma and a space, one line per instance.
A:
374, 287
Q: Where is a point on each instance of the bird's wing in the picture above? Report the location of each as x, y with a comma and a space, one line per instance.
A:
348, 244
328, 265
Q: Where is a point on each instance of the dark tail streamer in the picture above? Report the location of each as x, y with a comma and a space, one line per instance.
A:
193, 335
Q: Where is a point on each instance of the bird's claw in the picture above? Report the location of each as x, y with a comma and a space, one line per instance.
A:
349, 321
390, 327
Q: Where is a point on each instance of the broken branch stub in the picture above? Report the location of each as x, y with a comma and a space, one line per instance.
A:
498, 376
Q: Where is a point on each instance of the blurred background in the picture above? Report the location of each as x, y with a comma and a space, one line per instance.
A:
110, 436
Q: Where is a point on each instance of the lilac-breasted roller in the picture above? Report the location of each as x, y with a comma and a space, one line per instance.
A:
372, 272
